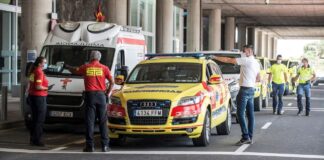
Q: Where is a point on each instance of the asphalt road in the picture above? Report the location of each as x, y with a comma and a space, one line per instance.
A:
285, 137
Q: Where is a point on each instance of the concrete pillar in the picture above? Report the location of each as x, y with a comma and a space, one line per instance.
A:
117, 11
164, 26
181, 30
242, 36
275, 45
270, 46
35, 22
193, 25
229, 33
260, 44
265, 45
215, 25
250, 36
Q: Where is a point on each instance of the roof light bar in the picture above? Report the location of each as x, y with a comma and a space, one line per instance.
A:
195, 55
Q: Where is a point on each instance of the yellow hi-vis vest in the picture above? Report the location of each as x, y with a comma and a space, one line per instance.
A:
305, 74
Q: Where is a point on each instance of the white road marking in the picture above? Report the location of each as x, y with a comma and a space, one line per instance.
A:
242, 148
295, 98
59, 148
289, 104
296, 109
267, 125
259, 154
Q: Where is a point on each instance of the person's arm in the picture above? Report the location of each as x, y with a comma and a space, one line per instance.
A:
258, 78
73, 70
39, 80
286, 77
225, 59
111, 81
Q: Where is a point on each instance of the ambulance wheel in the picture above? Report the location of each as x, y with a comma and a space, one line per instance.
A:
225, 127
117, 141
257, 103
204, 138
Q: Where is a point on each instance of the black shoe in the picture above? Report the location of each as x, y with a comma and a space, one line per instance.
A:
307, 114
88, 149
274, 112
243, 141
299, 112
105, 149
280, 112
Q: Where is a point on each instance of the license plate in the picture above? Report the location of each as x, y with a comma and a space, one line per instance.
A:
148, 113
61, 114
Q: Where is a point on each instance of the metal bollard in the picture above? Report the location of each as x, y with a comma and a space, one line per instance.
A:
4, 103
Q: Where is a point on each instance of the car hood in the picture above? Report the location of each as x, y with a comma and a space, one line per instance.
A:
170, 91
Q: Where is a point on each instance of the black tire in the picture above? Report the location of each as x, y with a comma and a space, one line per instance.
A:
225, 127
204, 138
257, 103
265, 101
117, 141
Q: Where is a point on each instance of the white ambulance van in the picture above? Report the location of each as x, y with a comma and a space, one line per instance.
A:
122, 47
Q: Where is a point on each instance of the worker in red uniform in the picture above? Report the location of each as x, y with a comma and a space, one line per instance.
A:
95, 75
37, 93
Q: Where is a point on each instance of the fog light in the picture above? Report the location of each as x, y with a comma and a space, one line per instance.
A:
189, 130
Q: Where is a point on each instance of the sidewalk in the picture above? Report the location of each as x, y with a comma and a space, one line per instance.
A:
14, 115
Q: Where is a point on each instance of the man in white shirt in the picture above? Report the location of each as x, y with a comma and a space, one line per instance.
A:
249, 75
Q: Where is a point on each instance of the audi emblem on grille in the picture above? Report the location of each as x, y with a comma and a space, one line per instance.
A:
148, 104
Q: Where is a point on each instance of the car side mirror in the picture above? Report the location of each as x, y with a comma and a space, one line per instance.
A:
215, 79
123, 70
120, 79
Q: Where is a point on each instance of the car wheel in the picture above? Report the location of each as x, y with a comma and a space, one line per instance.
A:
204, 138
225, 127
257, 103
120, 141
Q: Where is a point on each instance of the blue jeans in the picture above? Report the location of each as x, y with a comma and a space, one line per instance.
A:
301, 89
96, 108
277, 93
245, 103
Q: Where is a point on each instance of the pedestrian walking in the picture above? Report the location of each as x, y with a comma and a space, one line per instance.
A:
278, 80
37, 94
306, 75
95, 75
249, 75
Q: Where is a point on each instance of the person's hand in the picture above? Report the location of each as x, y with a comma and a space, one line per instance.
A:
269, 85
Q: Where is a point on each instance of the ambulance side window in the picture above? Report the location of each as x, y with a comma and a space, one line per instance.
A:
208, 71
120, 62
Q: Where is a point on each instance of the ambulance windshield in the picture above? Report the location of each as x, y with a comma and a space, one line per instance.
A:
74, 56
228, 68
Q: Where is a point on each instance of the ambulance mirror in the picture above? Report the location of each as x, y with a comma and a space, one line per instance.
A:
123, 70
119, 80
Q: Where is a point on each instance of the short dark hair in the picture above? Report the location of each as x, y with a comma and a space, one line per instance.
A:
305, 59
248, 46
279, 56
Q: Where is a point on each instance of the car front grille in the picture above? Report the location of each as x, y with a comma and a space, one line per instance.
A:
133, 105
63, 100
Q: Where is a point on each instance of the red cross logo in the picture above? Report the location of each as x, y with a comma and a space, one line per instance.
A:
65, 82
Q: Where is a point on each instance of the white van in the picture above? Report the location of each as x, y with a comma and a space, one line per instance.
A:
122, 47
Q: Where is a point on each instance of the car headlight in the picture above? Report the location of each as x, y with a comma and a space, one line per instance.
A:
115, 101
189, 100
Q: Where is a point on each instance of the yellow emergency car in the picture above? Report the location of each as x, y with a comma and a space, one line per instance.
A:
171, 94
263, 95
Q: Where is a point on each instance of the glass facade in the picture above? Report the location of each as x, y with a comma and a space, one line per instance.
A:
9, 45
142, 13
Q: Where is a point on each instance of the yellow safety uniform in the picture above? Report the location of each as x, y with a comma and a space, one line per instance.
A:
278, 73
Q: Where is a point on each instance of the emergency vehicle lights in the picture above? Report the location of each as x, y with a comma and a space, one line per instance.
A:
195, 55
100, 27
69, 26
115, 108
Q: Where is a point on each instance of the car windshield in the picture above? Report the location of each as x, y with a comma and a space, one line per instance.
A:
228, 68
76, 56
166, 73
